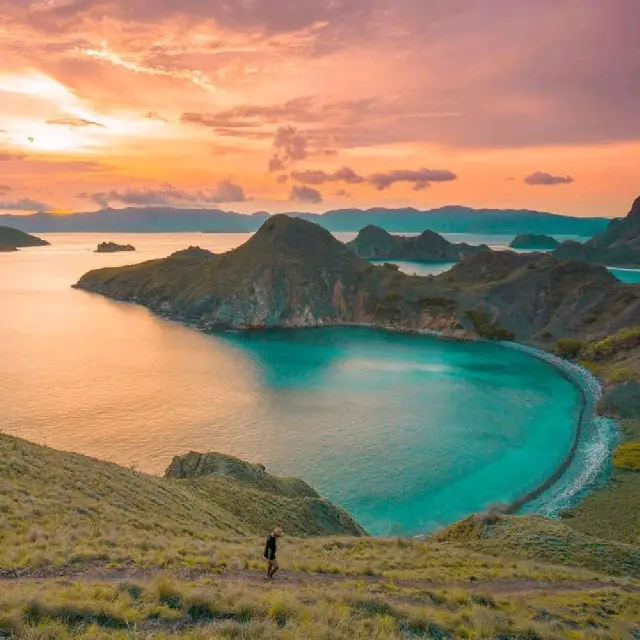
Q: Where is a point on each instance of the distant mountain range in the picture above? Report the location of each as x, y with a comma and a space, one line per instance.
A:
450, 219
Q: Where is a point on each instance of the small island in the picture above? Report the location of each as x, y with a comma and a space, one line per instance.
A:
11, 239
113, 247
534, 241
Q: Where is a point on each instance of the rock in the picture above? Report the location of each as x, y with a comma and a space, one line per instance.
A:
534, 241
113, 247
622, 400
11, 239
198, 465
375, 243
6, 249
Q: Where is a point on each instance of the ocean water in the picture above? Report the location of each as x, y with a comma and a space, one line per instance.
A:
631, 276
408, 433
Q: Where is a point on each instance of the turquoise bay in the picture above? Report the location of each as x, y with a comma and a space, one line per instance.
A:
407, 432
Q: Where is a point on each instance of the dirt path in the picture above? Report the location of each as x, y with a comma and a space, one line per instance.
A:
291, 579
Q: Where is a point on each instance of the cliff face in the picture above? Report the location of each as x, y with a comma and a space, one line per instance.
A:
617, 245
11, 239
375, 243
293, 273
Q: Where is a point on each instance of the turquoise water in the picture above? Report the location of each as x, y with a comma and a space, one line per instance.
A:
410, 433
419, 268
407, 432
631, 276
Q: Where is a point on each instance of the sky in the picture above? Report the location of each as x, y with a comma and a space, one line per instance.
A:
311, 105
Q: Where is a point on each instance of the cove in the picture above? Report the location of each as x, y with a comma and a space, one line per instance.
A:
407, 432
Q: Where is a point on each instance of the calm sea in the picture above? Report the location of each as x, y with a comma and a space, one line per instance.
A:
407, 433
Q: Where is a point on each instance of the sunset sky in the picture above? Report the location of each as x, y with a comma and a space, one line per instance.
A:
311, 105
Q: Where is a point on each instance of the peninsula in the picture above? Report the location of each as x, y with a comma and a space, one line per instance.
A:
12, 239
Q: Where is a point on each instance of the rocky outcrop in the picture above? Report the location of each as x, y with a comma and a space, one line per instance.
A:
618, 245
248, 489
5, 249
375, 243
622, 401
198, 465
113, 247
11, 239
293, 273
535, 242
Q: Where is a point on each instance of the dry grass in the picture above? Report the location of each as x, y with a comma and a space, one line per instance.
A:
71, 514
614, 510
169, 608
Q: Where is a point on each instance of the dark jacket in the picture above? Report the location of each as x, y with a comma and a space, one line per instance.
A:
270, 548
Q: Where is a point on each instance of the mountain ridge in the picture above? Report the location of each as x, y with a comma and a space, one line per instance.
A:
449, 219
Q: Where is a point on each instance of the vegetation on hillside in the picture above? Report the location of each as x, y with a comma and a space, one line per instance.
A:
486, 328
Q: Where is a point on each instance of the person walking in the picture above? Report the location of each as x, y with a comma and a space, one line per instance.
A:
270, 553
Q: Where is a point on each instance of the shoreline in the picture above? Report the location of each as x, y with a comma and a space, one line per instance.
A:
538, 491
515, 505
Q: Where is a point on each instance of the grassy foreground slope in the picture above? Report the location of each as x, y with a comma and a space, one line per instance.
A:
89, 549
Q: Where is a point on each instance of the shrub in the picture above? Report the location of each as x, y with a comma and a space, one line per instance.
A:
627, 456
488, 329
568, 348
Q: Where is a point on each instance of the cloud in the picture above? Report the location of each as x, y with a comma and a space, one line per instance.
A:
248, 115
305, 195
342, 193
226, 191
4, 189
283, 179
291, 146
6, 156
24, 204
76, 122
541, 178
317, 176
421, 178
152, 115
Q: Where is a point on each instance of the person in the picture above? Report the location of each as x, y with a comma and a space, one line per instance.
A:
270, 553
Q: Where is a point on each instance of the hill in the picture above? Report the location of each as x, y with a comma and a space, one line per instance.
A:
534, 241
11, 239
293, 273
94, 551
449, 219
375, 243
617, 245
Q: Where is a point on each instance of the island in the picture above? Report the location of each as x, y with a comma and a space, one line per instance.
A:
374, 243
11, 239
617, 246
113, 247
534, 241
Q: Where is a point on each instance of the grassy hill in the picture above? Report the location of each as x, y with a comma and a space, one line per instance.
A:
92, 550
